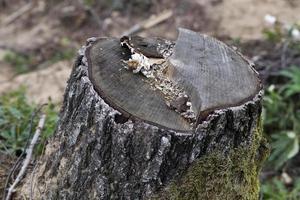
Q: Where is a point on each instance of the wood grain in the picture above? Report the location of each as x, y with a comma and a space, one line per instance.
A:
127, 92
213, 75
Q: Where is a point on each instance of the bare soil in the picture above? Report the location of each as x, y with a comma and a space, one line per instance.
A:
245, 18
42, 84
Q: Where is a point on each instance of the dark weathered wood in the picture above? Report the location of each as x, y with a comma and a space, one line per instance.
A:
98, 153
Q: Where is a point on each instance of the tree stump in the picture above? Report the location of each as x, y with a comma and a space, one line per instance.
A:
147, 118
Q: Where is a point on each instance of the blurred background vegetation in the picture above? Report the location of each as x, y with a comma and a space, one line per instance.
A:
39, 39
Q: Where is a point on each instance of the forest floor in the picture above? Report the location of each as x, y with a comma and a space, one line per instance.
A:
39, 39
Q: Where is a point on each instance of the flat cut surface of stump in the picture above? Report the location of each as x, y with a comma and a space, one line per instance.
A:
213, 75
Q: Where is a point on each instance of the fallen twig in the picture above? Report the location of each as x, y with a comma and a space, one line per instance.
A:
33, 115
11, 18
29, 152
19, 158
152, 21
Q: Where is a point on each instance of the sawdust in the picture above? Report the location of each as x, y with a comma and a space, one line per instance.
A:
155, 70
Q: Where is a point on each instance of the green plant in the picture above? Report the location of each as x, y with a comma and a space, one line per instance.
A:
21, 63
285, 146
15, 115
273, 34
66, 54
281, 32
282, 117
276, 190
89, 2
293, 87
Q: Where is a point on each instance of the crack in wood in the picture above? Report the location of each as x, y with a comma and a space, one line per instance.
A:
208, 75
155, 70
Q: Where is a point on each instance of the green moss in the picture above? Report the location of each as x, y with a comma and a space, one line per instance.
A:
215, 176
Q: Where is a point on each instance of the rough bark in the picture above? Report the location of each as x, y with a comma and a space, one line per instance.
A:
97, 153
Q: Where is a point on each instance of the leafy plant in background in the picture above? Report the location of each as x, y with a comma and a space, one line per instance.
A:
282, 117
23, 63
20, 62
276, 190
293, 87
279, 32
15, 115
273, 35
66, 53
282, 125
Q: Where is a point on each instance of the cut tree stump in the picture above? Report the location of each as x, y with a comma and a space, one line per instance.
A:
147, 118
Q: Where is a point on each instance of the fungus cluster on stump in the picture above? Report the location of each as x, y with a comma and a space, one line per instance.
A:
150, 118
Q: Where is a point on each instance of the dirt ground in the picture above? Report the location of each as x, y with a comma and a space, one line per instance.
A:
42, 84
245, 18
45, 24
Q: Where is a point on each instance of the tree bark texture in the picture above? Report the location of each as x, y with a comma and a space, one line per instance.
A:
97, 153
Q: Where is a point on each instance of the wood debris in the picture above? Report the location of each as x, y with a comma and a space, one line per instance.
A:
154, 69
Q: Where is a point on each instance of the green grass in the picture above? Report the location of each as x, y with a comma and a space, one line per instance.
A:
15, 115
67, 54
273, 35
25, 63
20, 63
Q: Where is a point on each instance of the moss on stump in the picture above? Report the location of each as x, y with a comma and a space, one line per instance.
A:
217, 176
